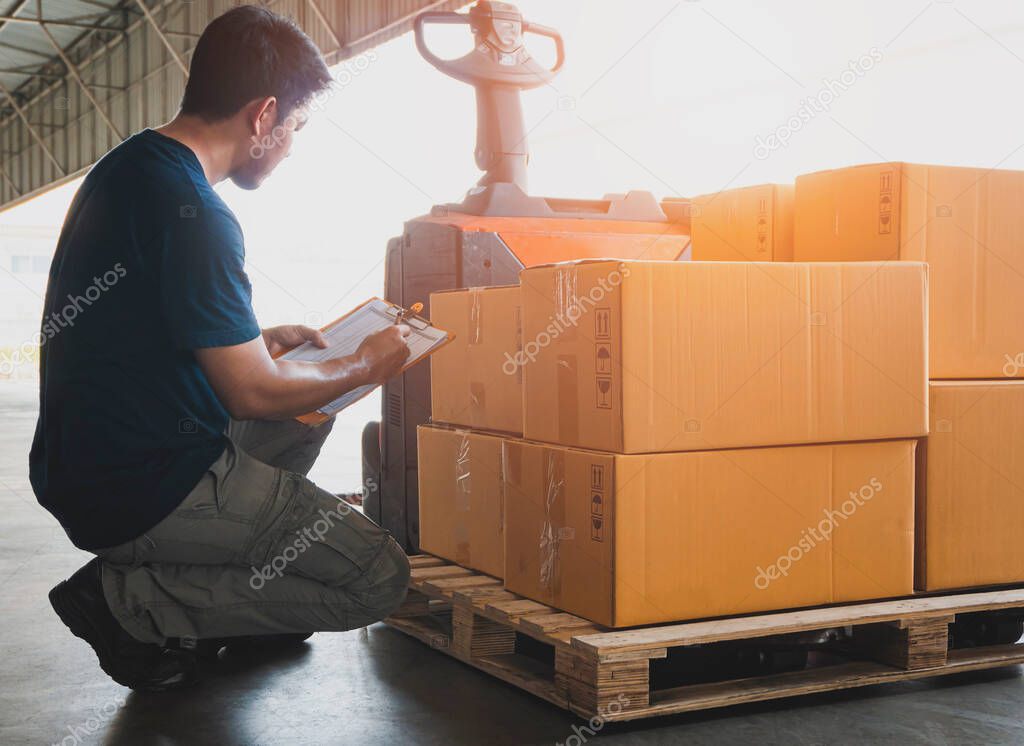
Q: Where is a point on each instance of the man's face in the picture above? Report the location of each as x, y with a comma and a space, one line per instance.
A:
269, 150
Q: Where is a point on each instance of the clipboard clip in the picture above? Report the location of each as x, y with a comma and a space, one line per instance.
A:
403, 315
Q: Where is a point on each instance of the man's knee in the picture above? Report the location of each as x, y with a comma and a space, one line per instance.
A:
319, 433
389, 580
304, 453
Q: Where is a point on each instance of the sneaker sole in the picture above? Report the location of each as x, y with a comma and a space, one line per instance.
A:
82, 628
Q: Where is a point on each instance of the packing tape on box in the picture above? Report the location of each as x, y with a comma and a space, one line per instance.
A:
463, 474
462, 544
501, 491
511, 473
475, 325
551, 533
567, 308
518, 320
511, 463
566, 297
477, 402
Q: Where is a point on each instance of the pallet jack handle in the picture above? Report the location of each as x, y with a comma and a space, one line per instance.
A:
498, 68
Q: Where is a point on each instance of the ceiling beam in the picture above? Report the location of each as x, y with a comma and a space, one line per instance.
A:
166, 42
63, 24
73, 72
315, 7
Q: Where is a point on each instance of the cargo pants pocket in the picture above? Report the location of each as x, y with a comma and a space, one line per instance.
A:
316, 535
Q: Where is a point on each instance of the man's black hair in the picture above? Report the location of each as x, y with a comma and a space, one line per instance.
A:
249, 53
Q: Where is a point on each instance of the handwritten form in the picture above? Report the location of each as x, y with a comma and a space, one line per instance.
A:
346, 334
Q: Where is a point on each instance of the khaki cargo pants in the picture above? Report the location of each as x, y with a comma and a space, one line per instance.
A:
256, 548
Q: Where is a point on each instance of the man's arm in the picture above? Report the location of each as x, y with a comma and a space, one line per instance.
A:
253, 386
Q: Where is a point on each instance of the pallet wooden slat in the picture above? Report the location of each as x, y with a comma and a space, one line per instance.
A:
512, 610
420, 575
765, 625
426, 560
448, 586
479, 597
555, 622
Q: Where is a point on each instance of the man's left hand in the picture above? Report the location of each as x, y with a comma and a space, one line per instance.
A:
282, 338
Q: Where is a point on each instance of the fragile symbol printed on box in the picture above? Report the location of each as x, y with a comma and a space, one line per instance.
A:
604, 392
603, 323
603, 357
596, 502
885, 202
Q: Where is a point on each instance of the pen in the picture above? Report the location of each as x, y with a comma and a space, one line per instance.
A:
414, 309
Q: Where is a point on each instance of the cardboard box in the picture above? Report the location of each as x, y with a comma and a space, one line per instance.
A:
475, 381
642, 357
965, 222
753, 224
644, 539
460, 486
971, 487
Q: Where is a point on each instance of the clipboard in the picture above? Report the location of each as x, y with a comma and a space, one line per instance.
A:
344, 335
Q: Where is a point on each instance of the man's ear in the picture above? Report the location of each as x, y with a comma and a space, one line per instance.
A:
262, 116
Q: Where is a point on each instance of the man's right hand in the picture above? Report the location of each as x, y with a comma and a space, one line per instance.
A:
253, 386
383, 354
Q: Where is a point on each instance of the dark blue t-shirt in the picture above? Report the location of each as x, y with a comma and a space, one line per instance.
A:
148, 268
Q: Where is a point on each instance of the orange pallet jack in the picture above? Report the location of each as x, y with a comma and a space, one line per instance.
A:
493, 234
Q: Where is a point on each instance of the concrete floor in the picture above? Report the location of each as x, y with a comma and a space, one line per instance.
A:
376, 685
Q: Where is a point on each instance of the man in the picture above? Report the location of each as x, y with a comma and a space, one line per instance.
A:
166, 443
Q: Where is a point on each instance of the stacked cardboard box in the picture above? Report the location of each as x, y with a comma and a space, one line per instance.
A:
971, 490
461, 497
688, 433
753, 224
477, 392
967, 225
477, 381
682, 422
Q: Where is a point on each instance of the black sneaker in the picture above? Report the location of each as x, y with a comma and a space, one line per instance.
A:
80, 604
209, 648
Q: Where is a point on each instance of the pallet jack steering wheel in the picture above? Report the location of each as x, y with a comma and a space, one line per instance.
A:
498, 68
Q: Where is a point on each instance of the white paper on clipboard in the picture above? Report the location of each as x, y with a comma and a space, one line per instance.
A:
346, 334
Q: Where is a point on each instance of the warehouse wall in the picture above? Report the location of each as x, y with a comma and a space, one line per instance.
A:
137, 61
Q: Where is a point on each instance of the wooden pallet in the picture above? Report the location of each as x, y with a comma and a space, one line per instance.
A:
596, 672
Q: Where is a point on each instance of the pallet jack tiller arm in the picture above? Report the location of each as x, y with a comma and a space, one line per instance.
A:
498, 68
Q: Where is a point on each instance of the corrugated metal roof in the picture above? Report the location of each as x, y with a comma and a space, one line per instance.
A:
130, 63
25, 49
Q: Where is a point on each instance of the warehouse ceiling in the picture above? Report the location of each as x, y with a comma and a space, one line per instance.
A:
78, 76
